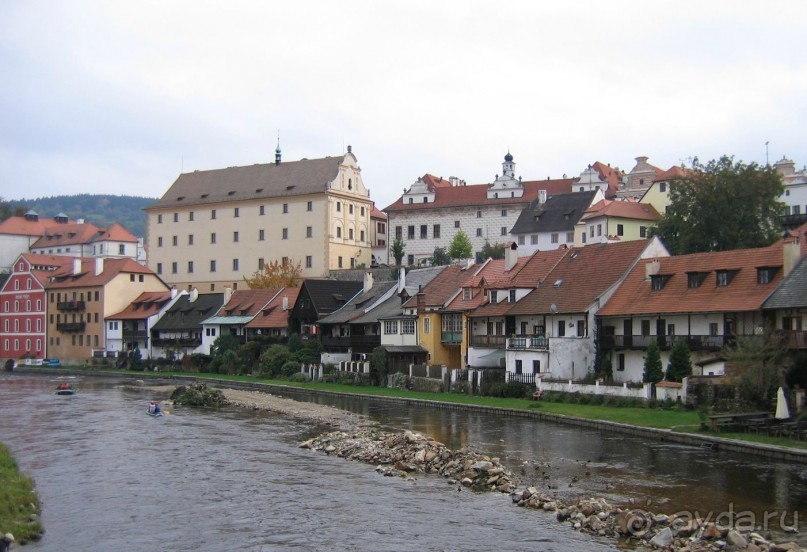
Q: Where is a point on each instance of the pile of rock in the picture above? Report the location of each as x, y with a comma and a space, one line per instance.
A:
645, 530
408, 453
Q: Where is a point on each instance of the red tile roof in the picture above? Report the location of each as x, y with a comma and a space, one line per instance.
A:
147, 304
118, 233
476, 194
375, 213
272, 314
443, 286
743, 293
580, 277
435, 181
20, 226
612, 176
247, 302
87, 276
672, 173
71, 234
622, 209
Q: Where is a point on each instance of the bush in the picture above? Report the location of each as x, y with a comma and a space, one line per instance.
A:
273, 359
511, 389
289, 368
298, 377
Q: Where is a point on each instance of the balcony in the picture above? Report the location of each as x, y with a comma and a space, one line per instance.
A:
134, 334
71, 326
640, 342
451, 338
70, 305
177, 341
534, 342
354, 343
794, 339
488, 341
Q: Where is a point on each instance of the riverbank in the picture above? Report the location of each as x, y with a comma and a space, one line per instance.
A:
19, 504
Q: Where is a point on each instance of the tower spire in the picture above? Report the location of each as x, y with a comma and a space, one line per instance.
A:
277, 149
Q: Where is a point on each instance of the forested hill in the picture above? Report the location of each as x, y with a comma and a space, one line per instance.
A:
101, 210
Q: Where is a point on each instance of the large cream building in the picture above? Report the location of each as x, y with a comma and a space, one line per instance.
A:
213, 228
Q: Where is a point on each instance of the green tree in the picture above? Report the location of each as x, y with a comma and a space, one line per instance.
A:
722, 205
680, 365
223, 353
398, 248
440, 257
760, 367
495, 251
460, 247
653, 371
378, 366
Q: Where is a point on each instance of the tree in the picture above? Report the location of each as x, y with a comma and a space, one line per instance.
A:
720, 206
653, 371
440, 257
495, 251
680, 365
760, 367
398, 248
275, 274
460, 247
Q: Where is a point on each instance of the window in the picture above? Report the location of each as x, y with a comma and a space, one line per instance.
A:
620, 362
561, 328
338, 206
160, 241
338, 231
309, 261
504, 230
285, 208
536, 366
695, 279
479, 214
212, 213
261, 263
212, 266
591, 231
212, 237
620, 230
235, 236
339, 261
521, 240
285, 234
512, 296
284, 261
159, 219
362, 210
436, 231
645, 328
724, 277
504, 212
411, 200
765, 274
713, 329
467, 294
554, 237
581, 328
350, 234
235, 264
361, 236
262, 210
309, 231
174, 267
309, 206
643, 231
662, 187
121, 249
190, 216
456, 224
569, 237
427, 325
424, 231
410, 260
190, 267
533, 239
599, 229
398, 232
176, 217
425, 200
350, 208
352, 262
518, 366
478, 232
174, 241
159, 268
658, 281
190, 239
261, 235
236, 212
390, 327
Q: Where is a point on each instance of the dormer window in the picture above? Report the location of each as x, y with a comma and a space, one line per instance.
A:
724, 277
658, 281
493, 296
467, 294
411, 200
425, 200
765, 274
695, 279
512, 296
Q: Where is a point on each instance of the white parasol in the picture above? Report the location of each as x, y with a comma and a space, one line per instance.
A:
782, 411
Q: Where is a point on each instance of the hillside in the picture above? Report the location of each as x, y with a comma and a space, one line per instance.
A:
101, 210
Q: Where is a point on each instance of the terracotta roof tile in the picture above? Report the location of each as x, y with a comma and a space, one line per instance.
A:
146, 304
622, 209
20, 226
87, 276
272, 314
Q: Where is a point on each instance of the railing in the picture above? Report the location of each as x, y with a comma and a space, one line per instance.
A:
694, 342
528, 342
488, 341
364, 343
795, 339
451, 338
177, 341
71, 326
70, 305
521, 378
135, 334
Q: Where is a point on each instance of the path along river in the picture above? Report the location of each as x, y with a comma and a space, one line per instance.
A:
112, 478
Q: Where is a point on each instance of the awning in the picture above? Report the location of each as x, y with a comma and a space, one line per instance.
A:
494, 355
404, 349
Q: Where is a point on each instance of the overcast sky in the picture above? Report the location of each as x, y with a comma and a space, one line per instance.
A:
121, 97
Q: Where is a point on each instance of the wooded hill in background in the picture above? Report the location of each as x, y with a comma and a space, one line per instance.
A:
101, 210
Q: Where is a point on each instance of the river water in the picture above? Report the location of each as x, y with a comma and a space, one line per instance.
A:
112, 478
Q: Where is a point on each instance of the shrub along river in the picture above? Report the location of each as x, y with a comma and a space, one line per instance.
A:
112, 478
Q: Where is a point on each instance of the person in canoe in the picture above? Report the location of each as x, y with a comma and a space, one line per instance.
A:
64, 387
154, 408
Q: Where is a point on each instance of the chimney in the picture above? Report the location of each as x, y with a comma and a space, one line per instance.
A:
401, 279
77, 266
99, 265
421, 300
792, 254
228, 294
510, 256
368, 281
541, 196
652, 268
173, 292
285, 302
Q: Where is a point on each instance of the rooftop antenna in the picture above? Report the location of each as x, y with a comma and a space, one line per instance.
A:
767, 164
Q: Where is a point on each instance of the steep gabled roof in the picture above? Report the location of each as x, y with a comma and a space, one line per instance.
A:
444, 286
67, 234
329, 295
358, 304
267, 180
187, 315
559, 214
146, 304
477, 194
672, 173
622, 209
792, 291
26, 226
580, 277
610, 175
636, 296
272, 314
65, 278
117, 233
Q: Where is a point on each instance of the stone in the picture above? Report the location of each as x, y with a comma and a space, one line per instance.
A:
663, 538
482, 465
420, 456
467, 482
710, 532
736, 539
783, 547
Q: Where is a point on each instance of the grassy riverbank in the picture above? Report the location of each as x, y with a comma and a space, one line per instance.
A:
18, 501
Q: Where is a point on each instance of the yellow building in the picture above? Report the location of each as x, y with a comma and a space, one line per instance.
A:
213, 228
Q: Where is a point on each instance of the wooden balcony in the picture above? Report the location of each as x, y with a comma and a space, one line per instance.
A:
489, 341
665, 342
177, 341
70, 305
354, 343
71, 326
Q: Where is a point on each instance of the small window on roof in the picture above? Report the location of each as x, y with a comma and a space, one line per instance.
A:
259, 190
290, 187
205, 195
658, 281
180, 198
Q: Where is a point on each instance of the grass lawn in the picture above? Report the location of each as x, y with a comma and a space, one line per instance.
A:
18, 501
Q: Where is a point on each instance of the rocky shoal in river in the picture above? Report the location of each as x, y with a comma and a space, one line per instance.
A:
409, 453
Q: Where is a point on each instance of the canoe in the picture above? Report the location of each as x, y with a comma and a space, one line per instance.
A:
68, 391
154, 414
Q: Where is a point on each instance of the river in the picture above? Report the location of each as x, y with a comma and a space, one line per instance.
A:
112, 478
